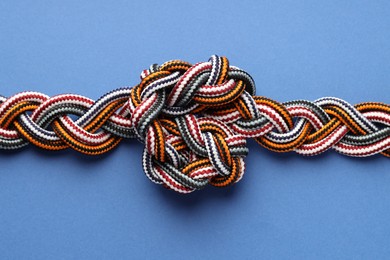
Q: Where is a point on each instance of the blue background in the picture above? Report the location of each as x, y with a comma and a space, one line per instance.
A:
67, 205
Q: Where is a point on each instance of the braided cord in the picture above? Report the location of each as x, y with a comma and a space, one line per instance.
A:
194, 121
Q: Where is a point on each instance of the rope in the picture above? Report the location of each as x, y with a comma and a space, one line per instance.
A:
194, 121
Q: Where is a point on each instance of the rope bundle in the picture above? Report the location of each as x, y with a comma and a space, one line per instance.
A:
194, 121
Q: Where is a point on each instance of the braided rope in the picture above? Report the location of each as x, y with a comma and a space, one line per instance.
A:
194, 121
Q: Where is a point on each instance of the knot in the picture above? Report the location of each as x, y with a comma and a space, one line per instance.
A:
184, 148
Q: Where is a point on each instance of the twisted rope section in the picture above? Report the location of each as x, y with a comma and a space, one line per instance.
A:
194, 121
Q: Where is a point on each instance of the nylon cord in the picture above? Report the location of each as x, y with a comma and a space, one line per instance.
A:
194, 121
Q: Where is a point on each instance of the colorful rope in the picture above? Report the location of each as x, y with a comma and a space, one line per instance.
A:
194, 121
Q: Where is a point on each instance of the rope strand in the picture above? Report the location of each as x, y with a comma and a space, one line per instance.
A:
194, 121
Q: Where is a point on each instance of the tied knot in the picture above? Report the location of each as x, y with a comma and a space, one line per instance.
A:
184, 148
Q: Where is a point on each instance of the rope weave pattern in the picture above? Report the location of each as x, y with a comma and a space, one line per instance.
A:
194, 121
